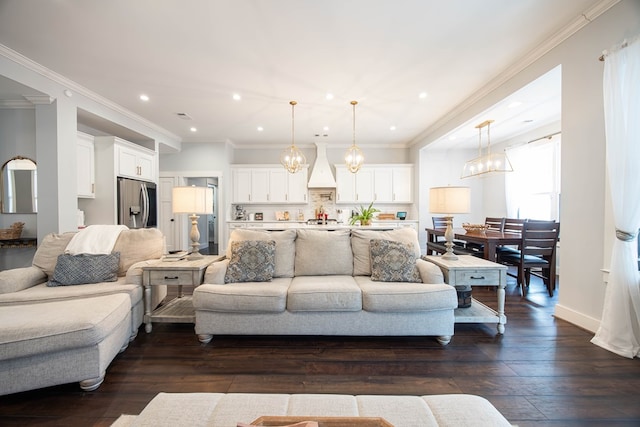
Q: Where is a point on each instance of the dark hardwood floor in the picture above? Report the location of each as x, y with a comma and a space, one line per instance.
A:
542, 372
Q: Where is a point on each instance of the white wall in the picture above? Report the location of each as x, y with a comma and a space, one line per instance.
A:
582, 249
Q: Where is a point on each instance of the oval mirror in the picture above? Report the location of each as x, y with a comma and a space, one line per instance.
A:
19, 186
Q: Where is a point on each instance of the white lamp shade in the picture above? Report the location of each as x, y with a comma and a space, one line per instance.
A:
449, 200
192, 200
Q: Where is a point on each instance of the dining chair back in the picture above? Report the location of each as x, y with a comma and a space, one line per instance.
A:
513, 225
439, 221
494, 224
537, 250
435, 244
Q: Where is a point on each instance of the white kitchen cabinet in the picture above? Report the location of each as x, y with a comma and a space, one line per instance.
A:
85, 166
297, 186
268, 185
375, 183
135, 162
354, 187
403, 184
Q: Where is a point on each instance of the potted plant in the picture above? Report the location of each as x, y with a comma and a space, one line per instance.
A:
364, 215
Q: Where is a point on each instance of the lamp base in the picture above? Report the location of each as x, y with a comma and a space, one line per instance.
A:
448, 236
194, 235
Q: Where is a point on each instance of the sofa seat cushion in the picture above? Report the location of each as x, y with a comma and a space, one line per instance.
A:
323, 253
243, 297
42, 293
393, 297
324, 293
31, 329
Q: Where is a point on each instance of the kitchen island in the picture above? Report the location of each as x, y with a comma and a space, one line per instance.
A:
285, 225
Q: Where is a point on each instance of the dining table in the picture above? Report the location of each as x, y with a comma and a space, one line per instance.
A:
489, 239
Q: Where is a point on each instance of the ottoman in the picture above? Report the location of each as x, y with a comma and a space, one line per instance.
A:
228, 409
61, 342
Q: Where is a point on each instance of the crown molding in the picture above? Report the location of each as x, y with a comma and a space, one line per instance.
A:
16, 104
542, 49
39, 99
39, 69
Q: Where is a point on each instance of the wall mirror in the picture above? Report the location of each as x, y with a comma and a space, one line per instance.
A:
19, 186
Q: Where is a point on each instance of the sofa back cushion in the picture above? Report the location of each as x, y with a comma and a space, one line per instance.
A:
46, 256
285, 247
361, 248
138, 245
323, 253
134, 245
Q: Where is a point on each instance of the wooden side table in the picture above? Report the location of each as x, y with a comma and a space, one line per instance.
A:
470, 270
173, 273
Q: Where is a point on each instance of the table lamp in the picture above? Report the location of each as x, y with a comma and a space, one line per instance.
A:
448, 201
193, 200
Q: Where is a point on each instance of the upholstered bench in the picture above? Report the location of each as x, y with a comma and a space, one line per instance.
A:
227, 410
60, 342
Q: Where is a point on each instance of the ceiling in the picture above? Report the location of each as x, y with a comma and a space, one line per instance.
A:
192, 57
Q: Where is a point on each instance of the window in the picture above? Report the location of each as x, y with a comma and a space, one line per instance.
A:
533, 188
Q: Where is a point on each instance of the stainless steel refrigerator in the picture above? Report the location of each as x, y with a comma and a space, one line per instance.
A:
137, 203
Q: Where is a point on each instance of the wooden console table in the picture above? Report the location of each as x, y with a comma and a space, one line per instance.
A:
22, 242
474, 271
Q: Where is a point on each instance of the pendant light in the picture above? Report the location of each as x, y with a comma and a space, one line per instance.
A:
291, 157
490, 162
354, 157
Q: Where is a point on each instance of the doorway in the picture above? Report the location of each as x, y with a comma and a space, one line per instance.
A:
208, 224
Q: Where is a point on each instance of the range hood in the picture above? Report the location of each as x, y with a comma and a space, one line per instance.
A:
321, 175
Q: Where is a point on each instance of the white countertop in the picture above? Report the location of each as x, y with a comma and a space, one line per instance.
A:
283, 225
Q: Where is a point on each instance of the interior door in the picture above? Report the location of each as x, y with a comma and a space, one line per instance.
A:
167, 223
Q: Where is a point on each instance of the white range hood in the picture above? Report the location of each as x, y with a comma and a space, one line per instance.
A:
321, 175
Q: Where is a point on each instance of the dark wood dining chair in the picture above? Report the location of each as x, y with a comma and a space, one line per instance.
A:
511, 225
537, 250
494, 224
436, 243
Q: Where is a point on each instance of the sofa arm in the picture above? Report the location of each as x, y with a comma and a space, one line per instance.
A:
134, 273
18, 279
214, 274
429, 272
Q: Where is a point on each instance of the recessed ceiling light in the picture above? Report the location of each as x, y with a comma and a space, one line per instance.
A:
236, 97
193, 129
329, 96
514, 104
144, 97
392, 127
260, 128
452, 137
423, 95
326, 128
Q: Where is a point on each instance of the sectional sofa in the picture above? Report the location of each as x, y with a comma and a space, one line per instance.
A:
54, 335
320, 282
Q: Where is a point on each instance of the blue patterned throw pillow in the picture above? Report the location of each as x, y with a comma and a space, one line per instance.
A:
251, 261
393, 261
85, 268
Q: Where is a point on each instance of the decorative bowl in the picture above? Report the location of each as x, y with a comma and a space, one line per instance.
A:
474, 228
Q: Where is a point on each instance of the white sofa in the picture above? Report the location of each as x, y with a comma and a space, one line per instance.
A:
322, 284
62, 334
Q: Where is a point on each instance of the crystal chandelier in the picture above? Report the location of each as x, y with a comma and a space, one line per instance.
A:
291, 157
490, 162
354, 157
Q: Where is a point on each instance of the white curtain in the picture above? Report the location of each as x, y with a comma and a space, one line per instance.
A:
619, 330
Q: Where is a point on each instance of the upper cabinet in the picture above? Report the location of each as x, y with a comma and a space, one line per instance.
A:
135, 162
391, 183
86, 166
268, 184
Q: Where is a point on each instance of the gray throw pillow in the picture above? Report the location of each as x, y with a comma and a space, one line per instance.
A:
393, 262
84, 269
251, 261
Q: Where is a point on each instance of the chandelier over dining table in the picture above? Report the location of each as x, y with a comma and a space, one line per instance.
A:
489, 162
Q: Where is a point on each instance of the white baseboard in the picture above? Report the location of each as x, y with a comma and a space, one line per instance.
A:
578, 319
